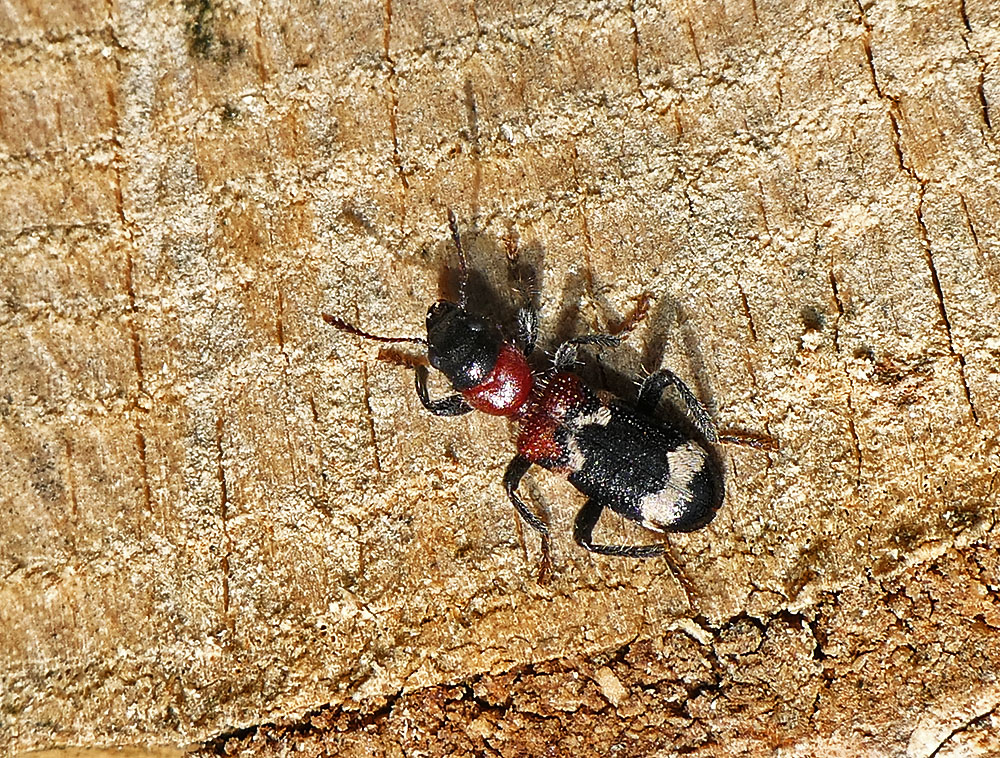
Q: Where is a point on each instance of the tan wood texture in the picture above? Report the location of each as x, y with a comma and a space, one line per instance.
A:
226, 524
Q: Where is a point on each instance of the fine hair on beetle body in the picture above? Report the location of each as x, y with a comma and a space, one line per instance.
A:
621, 452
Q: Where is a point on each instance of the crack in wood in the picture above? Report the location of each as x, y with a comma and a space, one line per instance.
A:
694, 43
132, 309
851, 413
942, 309
259, 52
760, 203
746, 311
370, 416
990, 270
279, 325
980, 720
840, 308
981, 83
855, 440
224, 564
636, 44
892, 108
893, 111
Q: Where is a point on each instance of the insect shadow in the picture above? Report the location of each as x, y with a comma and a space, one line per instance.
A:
611, 371
623, 454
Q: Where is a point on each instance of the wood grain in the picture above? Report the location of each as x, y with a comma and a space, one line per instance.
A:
220, 514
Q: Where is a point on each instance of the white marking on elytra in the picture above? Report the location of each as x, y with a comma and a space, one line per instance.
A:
666, 506
600, 417
574, 455
575, 458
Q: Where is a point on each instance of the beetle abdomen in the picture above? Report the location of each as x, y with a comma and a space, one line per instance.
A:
642, 468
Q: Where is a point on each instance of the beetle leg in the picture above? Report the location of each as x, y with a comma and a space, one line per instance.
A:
452, 405
583, 530
565, 356
516, 469
649, 397
527, 330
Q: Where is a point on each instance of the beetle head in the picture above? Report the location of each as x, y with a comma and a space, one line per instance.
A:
462, 346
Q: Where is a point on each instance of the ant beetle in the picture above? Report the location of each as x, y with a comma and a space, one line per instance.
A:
621, 456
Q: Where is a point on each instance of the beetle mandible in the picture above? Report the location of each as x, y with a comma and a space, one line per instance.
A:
620, 455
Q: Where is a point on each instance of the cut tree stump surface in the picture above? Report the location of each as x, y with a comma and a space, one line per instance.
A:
229, 527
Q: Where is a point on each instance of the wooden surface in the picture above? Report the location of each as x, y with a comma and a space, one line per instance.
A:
219, 514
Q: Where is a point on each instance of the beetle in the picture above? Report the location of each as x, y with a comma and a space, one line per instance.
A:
620, 455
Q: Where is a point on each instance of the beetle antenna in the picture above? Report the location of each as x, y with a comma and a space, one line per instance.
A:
351, 329
464, 280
